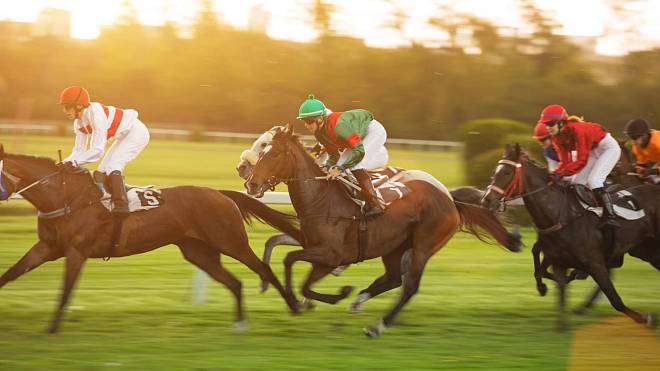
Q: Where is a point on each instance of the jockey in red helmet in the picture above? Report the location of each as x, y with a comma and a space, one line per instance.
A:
354, 141
95, 124
597, 152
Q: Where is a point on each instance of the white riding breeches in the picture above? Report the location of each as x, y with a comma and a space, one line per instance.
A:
375, 153
125, 148
602, 160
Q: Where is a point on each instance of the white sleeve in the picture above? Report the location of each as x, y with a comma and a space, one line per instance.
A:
99, 122
552, 164
78, 148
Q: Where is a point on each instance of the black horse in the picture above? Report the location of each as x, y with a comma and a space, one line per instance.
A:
204, 223
336, 234
563, 223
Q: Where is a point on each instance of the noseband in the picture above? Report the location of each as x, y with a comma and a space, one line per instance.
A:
515, 184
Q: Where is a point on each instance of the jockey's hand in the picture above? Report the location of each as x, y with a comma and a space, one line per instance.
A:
333, 172
66, 167
554, 178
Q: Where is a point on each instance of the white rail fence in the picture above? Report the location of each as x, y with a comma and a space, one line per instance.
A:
52, 128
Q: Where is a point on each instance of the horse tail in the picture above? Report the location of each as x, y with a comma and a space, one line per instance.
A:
481, 222
251, 207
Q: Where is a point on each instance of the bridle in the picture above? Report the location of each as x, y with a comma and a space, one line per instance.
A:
515, 186
43, 180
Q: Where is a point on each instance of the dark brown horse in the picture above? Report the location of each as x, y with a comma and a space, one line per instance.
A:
202, 222
335, 234
570, 233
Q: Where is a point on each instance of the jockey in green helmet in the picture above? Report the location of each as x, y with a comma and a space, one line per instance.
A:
354, 141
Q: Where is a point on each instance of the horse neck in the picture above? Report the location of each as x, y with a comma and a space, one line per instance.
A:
26, 172
312, 194
542, 205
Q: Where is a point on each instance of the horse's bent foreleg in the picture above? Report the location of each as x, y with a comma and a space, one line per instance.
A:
389, 280
318, 272
271, 242
38, 254
315, 256
74, 263
539, 269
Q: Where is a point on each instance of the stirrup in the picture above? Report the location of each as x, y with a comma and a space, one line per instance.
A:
373, 211
608, 222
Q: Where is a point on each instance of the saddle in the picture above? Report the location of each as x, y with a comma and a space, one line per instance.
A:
139, 198
384, 181
626, 206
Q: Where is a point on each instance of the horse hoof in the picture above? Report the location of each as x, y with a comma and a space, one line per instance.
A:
355, 308
307, 304
240, 326
580, 310
371, 331
542, 289
264, 287
651, 321
346, 290
339, 270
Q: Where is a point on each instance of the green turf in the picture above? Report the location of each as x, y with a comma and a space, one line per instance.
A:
477, 306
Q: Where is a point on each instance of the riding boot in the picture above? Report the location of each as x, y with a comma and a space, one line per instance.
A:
609, 217
119, 198
99, 179
374, 207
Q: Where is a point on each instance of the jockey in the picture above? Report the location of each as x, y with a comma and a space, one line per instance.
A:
597, 152
646, 148
354, 141
542, 134
94, 125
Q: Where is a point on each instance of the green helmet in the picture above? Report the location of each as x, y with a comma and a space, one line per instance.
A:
311, 107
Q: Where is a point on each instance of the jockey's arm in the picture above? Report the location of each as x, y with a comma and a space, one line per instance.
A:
333, 157
573, 167
79, 146
100, 124
357, 154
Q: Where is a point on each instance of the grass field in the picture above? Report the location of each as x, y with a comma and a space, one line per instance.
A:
477, 306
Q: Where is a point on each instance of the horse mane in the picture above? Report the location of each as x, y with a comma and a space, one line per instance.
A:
294, 139
40, 161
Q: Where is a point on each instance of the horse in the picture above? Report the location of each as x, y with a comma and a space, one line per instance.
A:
573, 231
336, 233
623, 176
249, 158
204, 223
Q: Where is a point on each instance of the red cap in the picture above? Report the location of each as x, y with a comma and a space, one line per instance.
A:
553, 112
74, 95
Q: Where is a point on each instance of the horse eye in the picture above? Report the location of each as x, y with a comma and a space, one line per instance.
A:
263, 145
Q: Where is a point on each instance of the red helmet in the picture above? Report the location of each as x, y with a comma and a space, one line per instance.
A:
541, 131
74, 95
553, 112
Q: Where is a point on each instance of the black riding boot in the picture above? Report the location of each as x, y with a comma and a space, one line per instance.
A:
609, 218
373, 206
119, 198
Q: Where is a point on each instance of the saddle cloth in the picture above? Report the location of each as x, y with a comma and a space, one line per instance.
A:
625, 204
387, 190
139, 198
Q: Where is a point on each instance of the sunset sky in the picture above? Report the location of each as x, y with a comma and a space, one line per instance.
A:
365, 18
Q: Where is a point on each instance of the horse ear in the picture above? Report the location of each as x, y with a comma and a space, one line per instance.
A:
516, 150
288, 129
2, 152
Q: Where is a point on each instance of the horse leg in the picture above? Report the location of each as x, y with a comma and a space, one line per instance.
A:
72, 267
319, 271
317, 255
388, 281
409, 288
600, 274
589, 303
539, 267
208, 260
271, 242
38, 254
561, 279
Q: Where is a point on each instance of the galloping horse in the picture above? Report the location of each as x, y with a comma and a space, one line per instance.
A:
202, 222
563, 223
336, 234
249, 158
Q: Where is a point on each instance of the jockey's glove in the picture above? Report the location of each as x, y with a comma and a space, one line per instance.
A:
554, 178
66, 167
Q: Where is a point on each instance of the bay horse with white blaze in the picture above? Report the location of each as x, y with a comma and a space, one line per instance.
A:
334, 232
204, 223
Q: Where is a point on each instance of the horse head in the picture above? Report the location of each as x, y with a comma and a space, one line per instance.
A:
39, 181
508, 180
280, 160
249, 157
